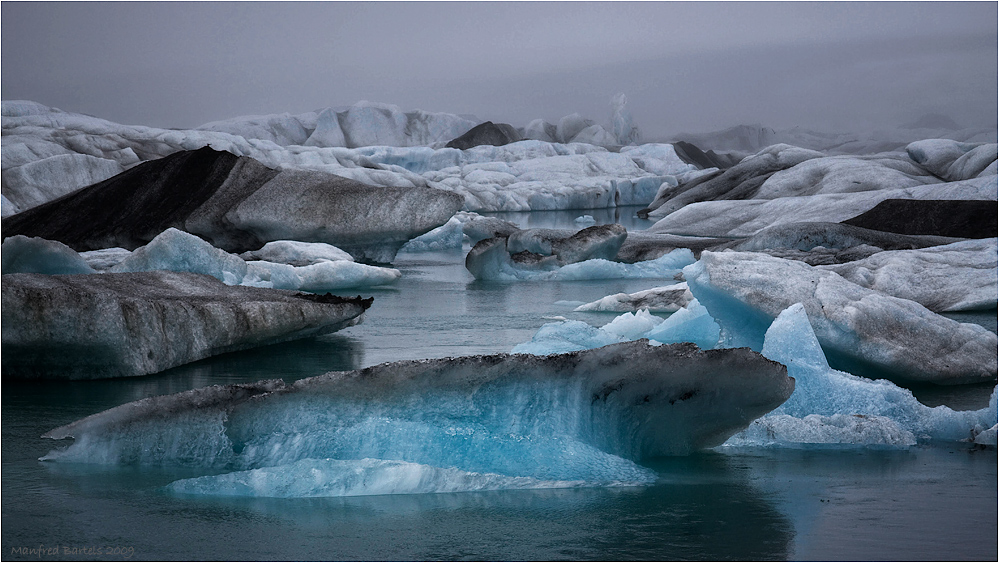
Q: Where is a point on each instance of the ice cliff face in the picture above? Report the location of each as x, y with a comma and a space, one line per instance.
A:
117, 325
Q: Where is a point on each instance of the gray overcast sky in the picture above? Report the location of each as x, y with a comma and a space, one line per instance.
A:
693, 66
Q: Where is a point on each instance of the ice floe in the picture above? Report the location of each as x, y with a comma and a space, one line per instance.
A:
119, 325
581, 417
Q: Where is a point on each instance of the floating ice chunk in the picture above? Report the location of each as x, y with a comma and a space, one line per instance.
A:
830, 406
35, 255
489, 260
963, 276
863, 331
348, 478
690, 324
448, 236
582, 416
585, 221
812, 431
632, 326
296, 253
666, 299
565, 336
987, 437
177, 251
319, 277
120, 325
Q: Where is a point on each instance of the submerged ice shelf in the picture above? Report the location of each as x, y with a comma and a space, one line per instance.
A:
583, 418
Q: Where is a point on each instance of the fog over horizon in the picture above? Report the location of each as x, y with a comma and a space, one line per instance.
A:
685, 67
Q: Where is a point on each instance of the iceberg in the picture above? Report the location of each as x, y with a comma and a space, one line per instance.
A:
238, 204
690, 324
586, 416
490, 260
296, 253
178, 251
665, 299
861, 330
832, 407
126, 324
742, 218
35, 255
963, 276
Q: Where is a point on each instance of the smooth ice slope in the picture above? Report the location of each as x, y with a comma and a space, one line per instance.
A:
833, 407
119, 325
963, 276
862, 331
577, 417
296, 253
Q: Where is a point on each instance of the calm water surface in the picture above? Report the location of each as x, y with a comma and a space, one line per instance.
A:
926, 503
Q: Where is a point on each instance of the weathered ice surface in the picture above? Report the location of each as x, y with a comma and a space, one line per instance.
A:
963, 276
862, 331
295, 253
828, 243
580, 415
736, 218
976, 218
953, 160
691, 154
488, 133
666, 299
741, 181
238, 204
34, 255
119, 325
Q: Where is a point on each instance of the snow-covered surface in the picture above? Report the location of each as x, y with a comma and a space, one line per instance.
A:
870, 332
963, 276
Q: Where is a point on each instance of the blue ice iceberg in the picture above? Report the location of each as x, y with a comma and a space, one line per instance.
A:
512, 420
834, 407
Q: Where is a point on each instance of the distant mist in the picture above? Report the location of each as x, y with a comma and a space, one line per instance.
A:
685, 67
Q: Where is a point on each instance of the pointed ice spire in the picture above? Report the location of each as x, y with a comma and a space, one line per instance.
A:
622, 124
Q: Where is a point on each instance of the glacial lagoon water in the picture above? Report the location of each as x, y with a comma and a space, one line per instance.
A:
924, 503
